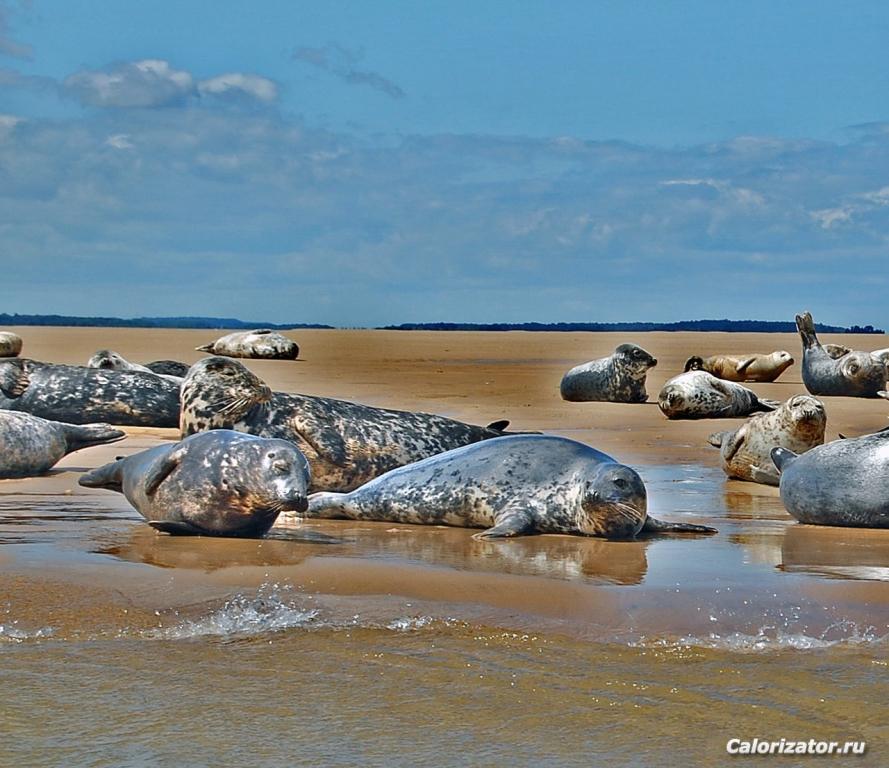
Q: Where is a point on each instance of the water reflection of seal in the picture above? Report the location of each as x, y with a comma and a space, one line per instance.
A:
31, 445
858, 554
755, 367
618, 378
346, 443
10, 344
510, 486
700, 395
262, 343
219, 483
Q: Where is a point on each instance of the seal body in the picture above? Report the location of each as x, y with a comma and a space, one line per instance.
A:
853, 374
346, 443
30, 445
79, 395
168, 367
112, 361
10, 344
700, 395
260, 344
746, 452
844, 483
510, 486
618, 378
756, 367
218, 483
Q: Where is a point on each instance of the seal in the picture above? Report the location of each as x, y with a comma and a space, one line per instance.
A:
218, 483
514, 485
843, 483
618, 378
755, 367
700, 395
854, 374
32, 446
797, 425
168, 367
110, 360
10, 344
346, 443
79, 395
262, 343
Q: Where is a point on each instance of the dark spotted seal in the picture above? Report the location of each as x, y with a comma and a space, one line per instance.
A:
618, 378
168, 367
110, 360
79, 395
798, 425
756, 367
30, 445
347, 444
218, 483
844, 483
10, 344
854, 374
260, 344
510, 486
700, 395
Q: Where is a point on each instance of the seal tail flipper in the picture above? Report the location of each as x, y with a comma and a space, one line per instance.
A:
328, 505
88, 435
694, 363
14, 378
765, 475
106, 476
174, 528
884, 394
652, 525
205, 347
782, 457
806, 327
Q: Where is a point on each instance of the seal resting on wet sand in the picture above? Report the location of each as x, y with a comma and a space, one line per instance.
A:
10, 344
756, 367
700, 395
219, 483
514, 485
261, 344
618, 378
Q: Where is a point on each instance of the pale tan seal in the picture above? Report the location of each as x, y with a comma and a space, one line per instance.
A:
10, 344
753, 367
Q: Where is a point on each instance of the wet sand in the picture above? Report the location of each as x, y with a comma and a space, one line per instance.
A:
552, 650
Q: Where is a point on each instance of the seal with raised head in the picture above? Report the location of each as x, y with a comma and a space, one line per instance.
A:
346, 443
700, 395
843, 483
854, 374
514, 485
261, 344
746, 452
10, 344
110, 360
30, 445
80, 395
755, 367
219, 483
618, 378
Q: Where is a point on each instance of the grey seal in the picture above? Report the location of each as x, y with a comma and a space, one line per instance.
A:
262, 343
754, 367
514, 485
618, 378
346, 443
854, 374
80, 395
30, 445
10, 344
746, 452
168, 367
843, 483
218, 483
700, 395
110, 360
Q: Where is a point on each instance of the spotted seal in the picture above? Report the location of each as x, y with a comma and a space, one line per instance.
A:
854, 374
112, 361
346, 443
618, 378
10, 344
30, 445
262, 343
218, 483
700, 395
797, 425
168, 367
843, 483
80, 395
754, 367
510, 486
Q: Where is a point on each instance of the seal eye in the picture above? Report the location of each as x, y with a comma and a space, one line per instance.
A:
620, 482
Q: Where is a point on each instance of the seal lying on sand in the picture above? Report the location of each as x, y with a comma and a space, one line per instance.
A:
347, 444
260, 344
168, 367
700, 395
30, 445
79, 395
10, 344
218, 483
110, 360
798, 425
743, 368
854, 374
618, 378
511, 486
845, 482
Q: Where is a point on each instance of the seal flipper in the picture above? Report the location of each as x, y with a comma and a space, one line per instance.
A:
87, 435
806, 327
762, 404
498, 426
324, 440
161, 470
205, 347
328, 505
745, 364
694, 363
782, 457
514, 521
14, 378
652, 525
107, 476
717, 438
765, 475
175, 528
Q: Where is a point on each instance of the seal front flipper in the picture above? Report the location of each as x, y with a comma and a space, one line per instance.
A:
514, 521
652, 525
175, 529
161, 470
745, 364
88, 435
14, 378
324, 440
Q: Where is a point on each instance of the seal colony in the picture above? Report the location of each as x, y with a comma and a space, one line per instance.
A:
261, 344
10, 344
618, 378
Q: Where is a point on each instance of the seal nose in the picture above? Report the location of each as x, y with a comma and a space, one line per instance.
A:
265, 393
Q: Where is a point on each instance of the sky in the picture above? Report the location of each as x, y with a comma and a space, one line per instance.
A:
366, 163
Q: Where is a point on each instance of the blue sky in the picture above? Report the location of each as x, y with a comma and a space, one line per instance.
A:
364, 163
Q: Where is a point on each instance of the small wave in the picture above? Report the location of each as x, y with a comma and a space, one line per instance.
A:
11, 633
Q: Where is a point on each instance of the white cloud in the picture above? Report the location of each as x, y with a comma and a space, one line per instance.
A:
119, 141
146, 83
254, 86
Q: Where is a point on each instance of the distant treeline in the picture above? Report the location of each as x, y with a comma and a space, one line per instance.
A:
147, 322
730, 326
